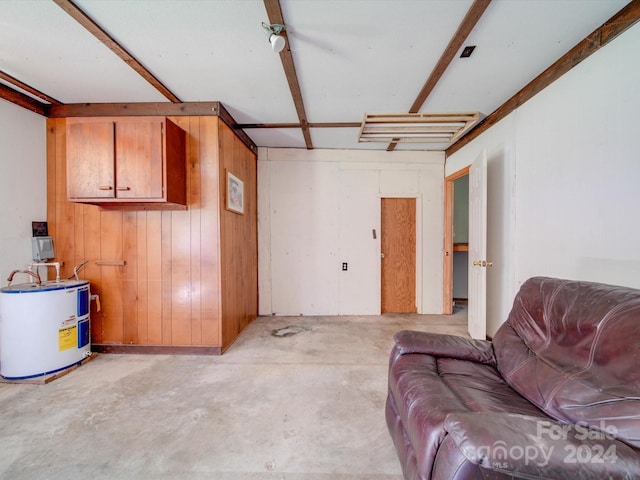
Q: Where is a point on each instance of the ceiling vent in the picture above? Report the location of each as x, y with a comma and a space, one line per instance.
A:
416, 127
468, 50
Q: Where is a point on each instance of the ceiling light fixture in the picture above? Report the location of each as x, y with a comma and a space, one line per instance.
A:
276, 40
416, 127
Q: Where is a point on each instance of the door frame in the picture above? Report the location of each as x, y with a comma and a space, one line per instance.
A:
447, 250
419, 241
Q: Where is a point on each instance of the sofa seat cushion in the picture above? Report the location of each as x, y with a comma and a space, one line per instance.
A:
425, 389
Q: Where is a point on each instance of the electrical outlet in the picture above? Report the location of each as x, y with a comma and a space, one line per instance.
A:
345, 267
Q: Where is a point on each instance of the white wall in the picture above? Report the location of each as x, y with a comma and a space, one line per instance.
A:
318, 209
564, 179
23, 182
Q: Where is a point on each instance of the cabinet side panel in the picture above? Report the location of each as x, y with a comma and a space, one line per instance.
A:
175, 169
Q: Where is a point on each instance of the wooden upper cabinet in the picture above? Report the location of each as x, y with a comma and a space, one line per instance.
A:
90, 160
123, 161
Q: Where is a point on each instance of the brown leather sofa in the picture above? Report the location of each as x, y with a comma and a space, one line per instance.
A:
555, 395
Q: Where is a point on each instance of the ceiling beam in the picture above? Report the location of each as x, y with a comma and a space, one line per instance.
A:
469, 21
297, 125
621, 21
22, 100
226, 117
274, 13
27, 88
135, 109
83, 19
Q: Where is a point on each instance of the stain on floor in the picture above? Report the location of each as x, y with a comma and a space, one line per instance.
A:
289, 331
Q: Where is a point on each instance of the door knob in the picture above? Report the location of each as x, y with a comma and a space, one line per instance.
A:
382, 255
482, 263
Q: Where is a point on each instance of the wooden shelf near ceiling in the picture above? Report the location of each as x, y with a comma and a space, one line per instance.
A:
461, 247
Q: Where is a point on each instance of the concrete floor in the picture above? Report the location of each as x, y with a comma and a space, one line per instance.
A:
295, 398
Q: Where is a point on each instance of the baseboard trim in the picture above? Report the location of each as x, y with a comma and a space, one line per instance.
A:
156, 349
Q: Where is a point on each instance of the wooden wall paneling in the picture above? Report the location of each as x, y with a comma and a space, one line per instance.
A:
252, 278
64, 211
227, 258
142, 303
154, 277
210, 231
250, 286
194, 180
129, 278
243, 241
78, 238
52, 128
238, 240
169, 289
180, 278
111, 232
181, 260
91, 229
165, 262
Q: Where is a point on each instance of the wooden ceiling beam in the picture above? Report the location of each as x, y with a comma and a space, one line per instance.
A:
135, 109
23, 100
274, 13
83, 19
621, 21
27, 88
226, 117
297, 125
469, 21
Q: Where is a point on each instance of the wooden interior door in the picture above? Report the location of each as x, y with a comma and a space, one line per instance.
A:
398, 245
477, 316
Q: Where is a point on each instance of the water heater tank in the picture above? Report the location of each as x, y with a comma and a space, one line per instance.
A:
44, 327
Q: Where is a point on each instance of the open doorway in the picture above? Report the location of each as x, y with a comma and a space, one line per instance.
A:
456, 240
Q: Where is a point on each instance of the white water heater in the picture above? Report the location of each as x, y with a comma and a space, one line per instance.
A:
44, 327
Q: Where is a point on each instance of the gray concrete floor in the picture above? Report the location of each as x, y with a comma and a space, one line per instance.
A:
294, 398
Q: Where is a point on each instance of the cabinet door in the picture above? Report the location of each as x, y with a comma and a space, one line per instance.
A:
139, 166
90, 172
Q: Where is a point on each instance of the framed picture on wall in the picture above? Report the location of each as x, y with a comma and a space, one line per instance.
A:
235, 193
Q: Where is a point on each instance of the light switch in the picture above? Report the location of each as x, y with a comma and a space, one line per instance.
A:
344, 266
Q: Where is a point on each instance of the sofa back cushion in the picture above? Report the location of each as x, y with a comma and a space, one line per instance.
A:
573, 349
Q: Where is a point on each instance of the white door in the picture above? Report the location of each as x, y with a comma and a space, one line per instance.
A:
477, 316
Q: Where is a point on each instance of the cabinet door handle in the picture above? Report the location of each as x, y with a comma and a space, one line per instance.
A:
123, 189
105, 187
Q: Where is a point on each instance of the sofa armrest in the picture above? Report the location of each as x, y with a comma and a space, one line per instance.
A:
541, 448
440, 345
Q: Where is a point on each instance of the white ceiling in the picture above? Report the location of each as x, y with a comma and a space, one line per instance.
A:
351, 56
